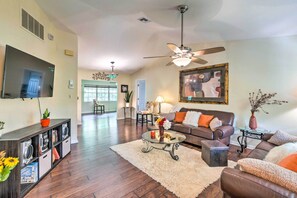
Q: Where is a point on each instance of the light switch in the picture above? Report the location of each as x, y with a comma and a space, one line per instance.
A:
71, 84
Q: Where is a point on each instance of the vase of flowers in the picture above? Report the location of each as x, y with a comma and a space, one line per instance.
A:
253, 121
6, 165
162, 123
257, 101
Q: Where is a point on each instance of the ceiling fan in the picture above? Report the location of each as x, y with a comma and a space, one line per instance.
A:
183, 55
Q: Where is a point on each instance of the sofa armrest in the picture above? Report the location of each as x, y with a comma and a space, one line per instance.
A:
236, 183
168, 116
223, 131
267, 136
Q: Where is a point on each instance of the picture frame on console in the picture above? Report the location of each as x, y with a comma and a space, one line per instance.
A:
124, 88
205, 84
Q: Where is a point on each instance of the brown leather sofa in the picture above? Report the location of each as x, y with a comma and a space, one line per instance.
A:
196, 134
235, 183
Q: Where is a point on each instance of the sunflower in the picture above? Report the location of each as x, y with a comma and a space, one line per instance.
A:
1, 169
11, 162
2, 155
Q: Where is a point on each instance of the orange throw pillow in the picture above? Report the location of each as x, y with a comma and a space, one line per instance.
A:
204, 120
180, 116
289, 162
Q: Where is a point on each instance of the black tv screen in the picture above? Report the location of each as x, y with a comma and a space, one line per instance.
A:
26, 76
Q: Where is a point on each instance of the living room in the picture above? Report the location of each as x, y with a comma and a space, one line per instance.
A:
259, 39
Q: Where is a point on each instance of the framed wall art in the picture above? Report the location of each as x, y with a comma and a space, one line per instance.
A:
204, 84
124, 88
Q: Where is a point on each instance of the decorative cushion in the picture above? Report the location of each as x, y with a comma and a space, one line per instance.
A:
179, 117
281, 137
204, 120
270, 172
192, 118
278, 153
289, 162
215, 123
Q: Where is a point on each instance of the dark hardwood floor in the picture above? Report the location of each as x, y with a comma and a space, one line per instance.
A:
93, 170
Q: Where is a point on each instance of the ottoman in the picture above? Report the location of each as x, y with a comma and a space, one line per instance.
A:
214, 153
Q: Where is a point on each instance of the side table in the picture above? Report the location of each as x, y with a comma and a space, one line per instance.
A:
128, 109
143, 118
256, 134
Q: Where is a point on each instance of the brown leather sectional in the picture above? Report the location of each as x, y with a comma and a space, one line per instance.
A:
196, 134
236, 183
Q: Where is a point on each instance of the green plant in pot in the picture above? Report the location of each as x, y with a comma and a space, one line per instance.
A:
128, 97
45, 121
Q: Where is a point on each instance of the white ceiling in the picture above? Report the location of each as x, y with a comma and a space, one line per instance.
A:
108, 30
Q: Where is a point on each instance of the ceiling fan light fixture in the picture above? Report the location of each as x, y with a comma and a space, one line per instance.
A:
181, 62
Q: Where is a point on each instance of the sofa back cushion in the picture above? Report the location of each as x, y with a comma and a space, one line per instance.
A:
227, 118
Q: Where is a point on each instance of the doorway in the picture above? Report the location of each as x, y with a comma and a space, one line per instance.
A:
141, 99
105, 93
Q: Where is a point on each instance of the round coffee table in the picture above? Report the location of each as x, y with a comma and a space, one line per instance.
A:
170, 143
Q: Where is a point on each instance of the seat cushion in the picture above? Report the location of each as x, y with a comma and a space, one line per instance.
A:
202, 132
181, 128
266, 146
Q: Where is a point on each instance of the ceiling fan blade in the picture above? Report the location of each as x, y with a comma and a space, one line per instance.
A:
199, 60
155, 57
209, 51
169, 64
174, 48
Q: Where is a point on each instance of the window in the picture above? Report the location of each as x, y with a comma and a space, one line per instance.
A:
100, 93
113, 94
89, 94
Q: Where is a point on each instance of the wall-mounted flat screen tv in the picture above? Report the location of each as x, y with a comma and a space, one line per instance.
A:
26, 76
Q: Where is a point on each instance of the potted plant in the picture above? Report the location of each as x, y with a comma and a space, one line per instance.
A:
45, 121
128, 96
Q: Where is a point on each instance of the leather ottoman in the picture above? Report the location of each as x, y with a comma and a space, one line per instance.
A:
214, 153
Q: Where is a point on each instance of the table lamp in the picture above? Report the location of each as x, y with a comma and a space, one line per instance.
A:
159, 99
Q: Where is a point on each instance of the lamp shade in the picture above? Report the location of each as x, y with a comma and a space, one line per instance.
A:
159, 99
180, 62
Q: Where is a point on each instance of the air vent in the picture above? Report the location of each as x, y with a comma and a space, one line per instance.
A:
32, 24
144, 20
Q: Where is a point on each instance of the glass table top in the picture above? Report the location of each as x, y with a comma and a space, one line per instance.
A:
170, 137
255, 131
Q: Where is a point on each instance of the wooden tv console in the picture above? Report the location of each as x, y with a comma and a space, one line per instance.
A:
13, 144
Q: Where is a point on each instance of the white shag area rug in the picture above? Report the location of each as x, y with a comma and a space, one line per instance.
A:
186, 178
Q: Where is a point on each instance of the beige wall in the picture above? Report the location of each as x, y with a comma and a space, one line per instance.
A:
269, 64
15, 112
85, 74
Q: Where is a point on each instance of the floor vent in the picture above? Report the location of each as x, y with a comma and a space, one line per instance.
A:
32, 24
